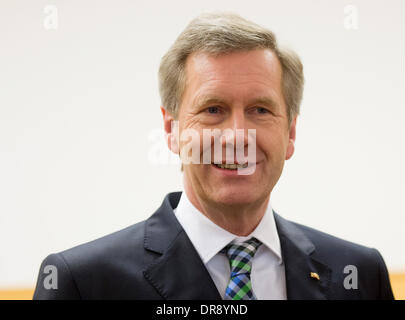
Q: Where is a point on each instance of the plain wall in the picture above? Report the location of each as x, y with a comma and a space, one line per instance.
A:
80, 121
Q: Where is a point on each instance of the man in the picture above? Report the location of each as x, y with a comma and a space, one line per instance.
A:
220, 238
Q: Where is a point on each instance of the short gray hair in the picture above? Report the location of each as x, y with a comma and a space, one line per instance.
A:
220, 33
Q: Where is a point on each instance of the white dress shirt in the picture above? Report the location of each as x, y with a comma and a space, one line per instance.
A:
268, 273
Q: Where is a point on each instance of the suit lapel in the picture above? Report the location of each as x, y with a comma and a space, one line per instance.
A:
298, 256
179, 272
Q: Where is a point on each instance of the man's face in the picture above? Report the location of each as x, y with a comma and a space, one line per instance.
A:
239, 90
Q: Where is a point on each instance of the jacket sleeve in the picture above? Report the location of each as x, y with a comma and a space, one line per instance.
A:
385, 285
55, 281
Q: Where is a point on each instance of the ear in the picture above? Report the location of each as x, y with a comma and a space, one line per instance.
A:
291, 139
170, 132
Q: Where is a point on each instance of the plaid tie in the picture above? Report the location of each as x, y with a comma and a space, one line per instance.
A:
240, 259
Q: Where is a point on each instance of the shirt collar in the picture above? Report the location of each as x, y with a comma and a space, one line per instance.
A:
209, 238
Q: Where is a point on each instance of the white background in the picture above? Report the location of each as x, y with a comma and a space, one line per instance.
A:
79, 108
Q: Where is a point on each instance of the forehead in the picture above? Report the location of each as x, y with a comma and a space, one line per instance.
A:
233, 74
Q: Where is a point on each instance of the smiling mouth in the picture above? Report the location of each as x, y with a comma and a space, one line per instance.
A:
231, 166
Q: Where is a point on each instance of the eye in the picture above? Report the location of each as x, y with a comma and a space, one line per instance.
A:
213, 110
262, 110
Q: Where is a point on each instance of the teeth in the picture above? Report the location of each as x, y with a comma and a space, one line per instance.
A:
231, 166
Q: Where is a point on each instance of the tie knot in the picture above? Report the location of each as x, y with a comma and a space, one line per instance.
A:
240, 255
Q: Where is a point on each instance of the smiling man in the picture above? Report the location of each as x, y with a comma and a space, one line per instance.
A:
220, 238
237, 90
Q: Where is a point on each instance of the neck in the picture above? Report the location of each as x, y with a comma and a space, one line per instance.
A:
237, 219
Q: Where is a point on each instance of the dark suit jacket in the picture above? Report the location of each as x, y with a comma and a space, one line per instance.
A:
154, 259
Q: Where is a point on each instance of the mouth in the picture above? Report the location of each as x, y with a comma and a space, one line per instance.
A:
240, 171
230, 166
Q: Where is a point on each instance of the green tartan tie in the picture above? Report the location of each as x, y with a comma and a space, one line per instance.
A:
240, 260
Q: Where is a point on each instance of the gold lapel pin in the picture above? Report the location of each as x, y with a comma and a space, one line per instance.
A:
314, 275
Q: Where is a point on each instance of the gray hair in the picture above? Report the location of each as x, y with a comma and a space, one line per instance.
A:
220, 33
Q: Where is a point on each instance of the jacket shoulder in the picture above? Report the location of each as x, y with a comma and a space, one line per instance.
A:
97, 268
346, 257
113, 245
325, 242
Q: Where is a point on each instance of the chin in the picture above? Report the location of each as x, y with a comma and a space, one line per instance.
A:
237, 196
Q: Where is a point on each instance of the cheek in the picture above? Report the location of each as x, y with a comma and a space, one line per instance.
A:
191, 145
273, 146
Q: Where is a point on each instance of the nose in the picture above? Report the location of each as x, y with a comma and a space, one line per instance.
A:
237, 119
234, 134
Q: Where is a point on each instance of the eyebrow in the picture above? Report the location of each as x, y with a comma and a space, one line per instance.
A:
266, 100
209, 100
